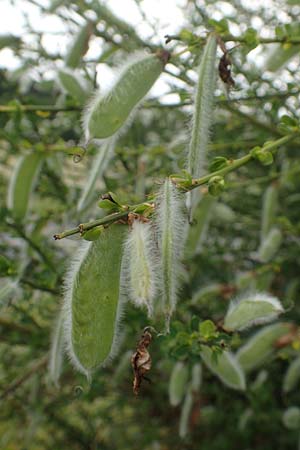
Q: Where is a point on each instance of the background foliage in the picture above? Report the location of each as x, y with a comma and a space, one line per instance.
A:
36, 114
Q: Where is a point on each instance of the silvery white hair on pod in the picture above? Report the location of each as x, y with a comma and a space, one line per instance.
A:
140, 260
70, 282
171, 226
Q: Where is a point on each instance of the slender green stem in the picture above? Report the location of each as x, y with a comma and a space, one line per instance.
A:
94, 223
232, 165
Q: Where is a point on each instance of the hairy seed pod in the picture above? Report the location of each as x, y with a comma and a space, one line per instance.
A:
280, 55
171, 231
178, 382
270, 245
203, 109
72, 85
260, 346
140, 263
225, 367
92, 301
292, 376
185, 414
196, 377
269, 208
79, 47
21, 184
252, 309
291, 418
107, 113
99, 165
56, 350
8, 289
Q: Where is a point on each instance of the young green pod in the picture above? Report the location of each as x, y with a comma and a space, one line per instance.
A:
108, 113
56, 350
269, 208
21, 184
93, 304
79, 47
140, 263
203, 109
270, 245
185, 414
196, 377
291, 418
226, 367
252, 309
280, 55
178, 383
171, 233
198, 229
99, 165
292, 376
72, 85
260, 347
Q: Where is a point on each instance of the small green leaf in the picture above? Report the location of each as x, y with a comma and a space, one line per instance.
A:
207, 329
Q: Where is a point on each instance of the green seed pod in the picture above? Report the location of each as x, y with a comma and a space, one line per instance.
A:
207, 293
196, 377
202, 116
260, 347
140, 263
21, 184
56, 350
280, 55
225, 367
269, 209
203, 109
244, 419
223, 213
72, 85
79, 47
99, 165
199, 228
292, 376
112, 111
291, 418
185, 414
94, 233
270, 245
178, 383
92, 301
171, 230
252, 309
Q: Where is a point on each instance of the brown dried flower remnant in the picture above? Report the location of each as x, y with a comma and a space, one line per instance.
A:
225, 70
141, 360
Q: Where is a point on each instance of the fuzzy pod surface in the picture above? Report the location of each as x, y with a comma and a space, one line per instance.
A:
73, 85
107, 113
260, 346
269, 208
292, 376
203, 109
172, 232
79, 46
140, 263
185, 414
56, 350
22, 183
225, 367
93, 302
252, 309
270, 245
178, 383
